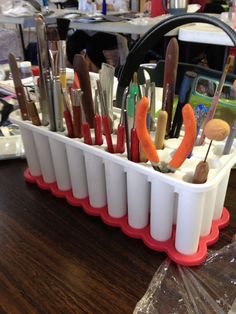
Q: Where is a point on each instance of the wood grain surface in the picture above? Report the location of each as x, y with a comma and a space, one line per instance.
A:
54, 258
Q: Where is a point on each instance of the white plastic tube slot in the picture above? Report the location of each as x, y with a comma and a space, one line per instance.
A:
189, 221
60, 163
77, 171
209, 207
45, 157
96, 180
220, 198
116, 189
30, 152
138, 193
162, 210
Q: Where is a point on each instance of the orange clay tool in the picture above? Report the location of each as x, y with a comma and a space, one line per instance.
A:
188, 141
142, 132
183, 150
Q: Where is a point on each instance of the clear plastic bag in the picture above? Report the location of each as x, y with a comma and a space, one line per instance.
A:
209, 288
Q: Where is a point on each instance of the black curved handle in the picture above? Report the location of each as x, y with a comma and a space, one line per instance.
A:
152, 37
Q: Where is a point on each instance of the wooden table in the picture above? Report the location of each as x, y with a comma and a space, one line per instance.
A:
54, 258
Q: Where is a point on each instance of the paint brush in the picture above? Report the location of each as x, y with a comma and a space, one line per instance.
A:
170, 73
216, 97
81, 68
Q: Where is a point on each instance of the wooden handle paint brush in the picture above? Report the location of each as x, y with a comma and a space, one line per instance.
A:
216, 97
161, 129
81, 68
45, 100
32, 110
76, 95
170, 73
62, 62
20, 93
58, 104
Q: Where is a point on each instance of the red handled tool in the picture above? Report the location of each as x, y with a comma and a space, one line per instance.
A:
87, 133
67, 114
97, 121
76, 99
105, 118
120, 144
86, 128
134, 140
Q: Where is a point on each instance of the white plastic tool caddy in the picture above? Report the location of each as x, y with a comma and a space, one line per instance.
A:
166, 211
